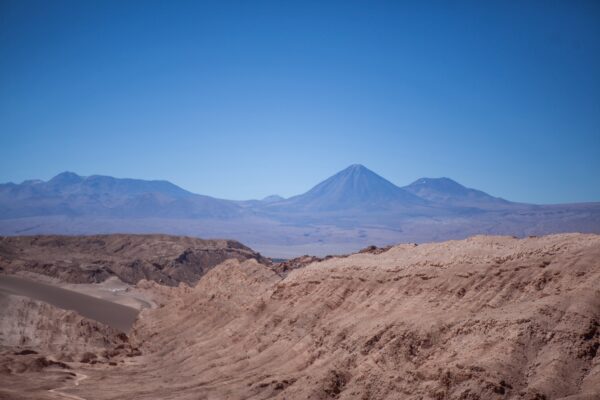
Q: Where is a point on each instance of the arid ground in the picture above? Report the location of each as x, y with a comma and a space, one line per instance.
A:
489, 317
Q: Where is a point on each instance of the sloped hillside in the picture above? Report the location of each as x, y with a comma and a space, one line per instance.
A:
482, 318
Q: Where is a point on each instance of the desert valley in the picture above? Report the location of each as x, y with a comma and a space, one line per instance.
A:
299, 200
488, 317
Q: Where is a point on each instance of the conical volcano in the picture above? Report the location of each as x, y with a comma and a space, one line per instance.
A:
355, 187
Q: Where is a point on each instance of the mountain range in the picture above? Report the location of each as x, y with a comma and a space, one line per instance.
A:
351, 209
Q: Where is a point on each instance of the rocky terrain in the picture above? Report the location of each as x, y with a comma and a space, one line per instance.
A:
66, 335
483, 318
41, 347
165, 259
284, 267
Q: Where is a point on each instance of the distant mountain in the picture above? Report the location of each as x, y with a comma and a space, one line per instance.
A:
68, 181
251, 204
272, 198
354, 188
73, 195
346, 212
447, 192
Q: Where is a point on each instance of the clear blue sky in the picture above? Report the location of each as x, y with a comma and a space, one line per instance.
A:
244, 99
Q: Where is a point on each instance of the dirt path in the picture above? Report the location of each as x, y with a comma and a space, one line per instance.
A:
58, 391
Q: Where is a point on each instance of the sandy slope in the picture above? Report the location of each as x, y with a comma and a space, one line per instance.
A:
115, 315
482, 318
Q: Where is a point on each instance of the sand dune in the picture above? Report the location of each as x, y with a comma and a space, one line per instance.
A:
112, 314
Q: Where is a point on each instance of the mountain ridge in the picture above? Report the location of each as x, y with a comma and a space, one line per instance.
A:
350, 210
449, 192
354, 187
70, 194
68, 178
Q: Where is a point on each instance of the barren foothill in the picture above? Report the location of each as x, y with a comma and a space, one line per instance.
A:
488, 317
168, 260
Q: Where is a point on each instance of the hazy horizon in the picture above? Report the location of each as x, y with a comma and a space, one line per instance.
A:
245, 100
276, 193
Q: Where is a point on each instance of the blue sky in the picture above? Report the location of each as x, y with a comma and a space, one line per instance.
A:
244, 99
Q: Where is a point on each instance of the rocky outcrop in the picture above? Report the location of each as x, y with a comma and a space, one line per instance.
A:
285, 267
374, 249
30, 327
167, 260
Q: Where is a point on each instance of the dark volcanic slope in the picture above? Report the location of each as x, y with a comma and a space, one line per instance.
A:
87, 259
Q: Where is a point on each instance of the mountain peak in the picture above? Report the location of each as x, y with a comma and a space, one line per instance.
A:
449, 192
272, 198
440, 183
355, 187
66, 178
356, 169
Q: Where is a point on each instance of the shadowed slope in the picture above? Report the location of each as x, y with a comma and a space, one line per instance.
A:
165, 259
